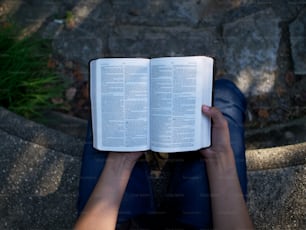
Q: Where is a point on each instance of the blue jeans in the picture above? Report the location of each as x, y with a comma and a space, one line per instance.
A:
188, 197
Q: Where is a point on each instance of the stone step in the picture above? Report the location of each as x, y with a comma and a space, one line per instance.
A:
37, 133
67, 124
277, 187
287, 133
40, 170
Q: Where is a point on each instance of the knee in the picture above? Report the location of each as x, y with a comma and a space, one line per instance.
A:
226, 91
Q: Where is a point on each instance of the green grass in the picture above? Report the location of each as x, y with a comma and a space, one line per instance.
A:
27, 85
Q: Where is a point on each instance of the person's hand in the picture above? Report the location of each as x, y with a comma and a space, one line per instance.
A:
125, 159
220, 147
102, 208
228, 206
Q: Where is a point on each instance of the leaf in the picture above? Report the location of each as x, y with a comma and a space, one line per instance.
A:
263, 113
280, 91
70, 93
290, 78
77, 73
85, 91
51, 63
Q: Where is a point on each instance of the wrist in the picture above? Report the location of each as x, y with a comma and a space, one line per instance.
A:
120, 162
221, 164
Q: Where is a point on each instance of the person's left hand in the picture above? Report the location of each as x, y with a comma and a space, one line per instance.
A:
102, 208
127, 158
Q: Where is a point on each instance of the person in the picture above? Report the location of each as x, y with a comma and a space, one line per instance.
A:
208, 187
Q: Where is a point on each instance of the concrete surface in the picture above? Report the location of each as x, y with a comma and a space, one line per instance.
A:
40, 170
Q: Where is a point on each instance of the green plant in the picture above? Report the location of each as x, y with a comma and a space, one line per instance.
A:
27, 84
70, 20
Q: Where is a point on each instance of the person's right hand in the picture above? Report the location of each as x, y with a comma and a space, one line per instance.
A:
220, 146
228, 206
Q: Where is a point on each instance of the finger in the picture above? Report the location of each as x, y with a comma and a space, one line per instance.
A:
215, 114
206, 110
217, 117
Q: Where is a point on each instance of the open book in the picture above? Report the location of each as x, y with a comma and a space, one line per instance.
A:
153, 104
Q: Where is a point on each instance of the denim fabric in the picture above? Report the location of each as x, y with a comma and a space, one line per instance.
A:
188, 197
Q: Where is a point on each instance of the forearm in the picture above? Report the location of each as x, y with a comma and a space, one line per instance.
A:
228, 206
101, 210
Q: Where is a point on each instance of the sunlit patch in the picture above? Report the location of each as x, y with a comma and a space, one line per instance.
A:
82, 10
33, 164
9, 6
255, 81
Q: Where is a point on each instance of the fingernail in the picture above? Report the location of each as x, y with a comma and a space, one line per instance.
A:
205, 107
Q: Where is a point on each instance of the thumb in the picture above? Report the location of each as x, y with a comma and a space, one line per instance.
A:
216, 116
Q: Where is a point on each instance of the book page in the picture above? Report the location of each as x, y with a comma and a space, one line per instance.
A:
179, 87
120, 102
